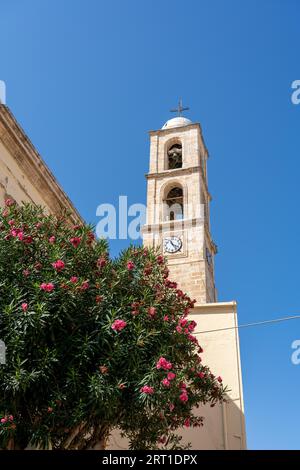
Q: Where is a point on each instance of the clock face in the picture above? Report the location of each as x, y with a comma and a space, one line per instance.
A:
172, 244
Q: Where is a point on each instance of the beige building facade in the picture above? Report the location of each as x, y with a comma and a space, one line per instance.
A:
24, 176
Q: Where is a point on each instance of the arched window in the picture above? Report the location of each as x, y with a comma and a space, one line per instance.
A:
174, 204
175, 156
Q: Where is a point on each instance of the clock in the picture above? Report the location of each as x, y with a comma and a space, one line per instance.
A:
172, 244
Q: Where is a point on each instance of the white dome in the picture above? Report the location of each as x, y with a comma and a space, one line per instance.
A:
176, 122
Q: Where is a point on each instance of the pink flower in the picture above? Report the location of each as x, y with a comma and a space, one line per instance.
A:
75, 241
47, 287
20, 236
219, 379
26, 272
148, 270
52, 239
9, 202
11, 222
146, 389
130, 266
192, 325
74, 279
15, 231
27, 240
182, 322
179, 293
192, 338
171, 407
101, 262
171, 376
165, 383
151, 312
24, 306
11, 418
187, 422
162, 363
201, 375
91, 237
103, 369
58, 265
3, 420
178, 329
160, 259
183, 397
166, 318
85, 285
170, 284
118, 325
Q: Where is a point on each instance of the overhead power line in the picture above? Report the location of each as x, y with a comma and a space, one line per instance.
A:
247, 325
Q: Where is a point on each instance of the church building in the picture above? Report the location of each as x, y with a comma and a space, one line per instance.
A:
178, 222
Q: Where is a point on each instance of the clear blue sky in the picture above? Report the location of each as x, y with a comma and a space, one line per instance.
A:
88, 79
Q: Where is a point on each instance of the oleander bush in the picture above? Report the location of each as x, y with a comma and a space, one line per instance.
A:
92, 343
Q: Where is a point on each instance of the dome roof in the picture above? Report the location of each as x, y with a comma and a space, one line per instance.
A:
178, 121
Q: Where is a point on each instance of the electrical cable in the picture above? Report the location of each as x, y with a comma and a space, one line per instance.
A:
247, 325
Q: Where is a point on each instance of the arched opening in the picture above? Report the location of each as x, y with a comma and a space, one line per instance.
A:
174, 204
175, 156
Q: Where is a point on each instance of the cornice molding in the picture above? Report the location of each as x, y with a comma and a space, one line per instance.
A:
172, 130
181, 172
167, 226
216, 307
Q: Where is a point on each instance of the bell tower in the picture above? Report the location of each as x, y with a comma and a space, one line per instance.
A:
178, 206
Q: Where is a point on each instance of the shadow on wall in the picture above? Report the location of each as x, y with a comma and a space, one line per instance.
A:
223, 429
224, 425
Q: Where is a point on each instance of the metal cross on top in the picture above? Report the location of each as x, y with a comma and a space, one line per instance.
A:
179, 109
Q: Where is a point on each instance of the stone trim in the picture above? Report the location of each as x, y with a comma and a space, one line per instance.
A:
216, 307
180, 172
